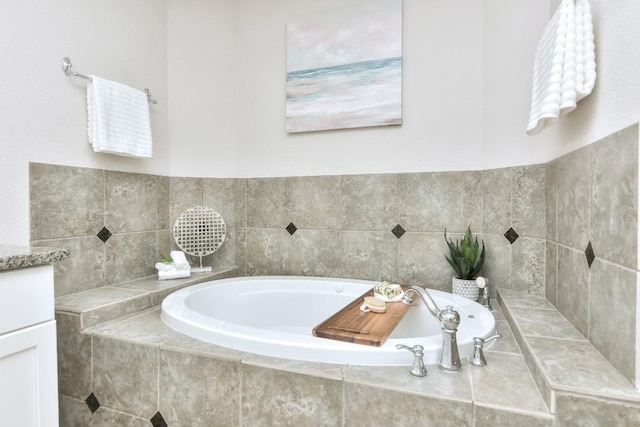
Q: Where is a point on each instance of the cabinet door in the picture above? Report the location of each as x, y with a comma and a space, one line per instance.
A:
28, 377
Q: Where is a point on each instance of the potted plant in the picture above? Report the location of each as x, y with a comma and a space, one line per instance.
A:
467, 259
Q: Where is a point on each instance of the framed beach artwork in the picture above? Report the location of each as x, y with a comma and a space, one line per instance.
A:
344, 68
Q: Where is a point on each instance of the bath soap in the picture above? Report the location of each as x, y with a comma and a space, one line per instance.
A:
374, 302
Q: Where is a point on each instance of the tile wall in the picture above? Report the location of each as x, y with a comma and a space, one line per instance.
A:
592, 241
539, 223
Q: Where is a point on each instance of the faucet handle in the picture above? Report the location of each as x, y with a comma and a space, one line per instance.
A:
478, 354
417, 368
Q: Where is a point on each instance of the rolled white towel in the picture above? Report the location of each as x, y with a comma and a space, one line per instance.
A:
163, 266
173, 274
180, 261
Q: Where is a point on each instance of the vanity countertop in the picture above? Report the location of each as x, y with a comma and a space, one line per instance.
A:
13, 257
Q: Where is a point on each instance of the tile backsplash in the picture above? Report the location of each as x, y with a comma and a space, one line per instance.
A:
536, 222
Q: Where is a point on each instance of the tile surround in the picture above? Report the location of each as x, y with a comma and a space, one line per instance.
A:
587, 197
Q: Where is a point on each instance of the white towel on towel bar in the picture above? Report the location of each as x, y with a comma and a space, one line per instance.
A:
118, 119
565, 66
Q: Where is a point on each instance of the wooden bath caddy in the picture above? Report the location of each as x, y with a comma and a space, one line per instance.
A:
353, 325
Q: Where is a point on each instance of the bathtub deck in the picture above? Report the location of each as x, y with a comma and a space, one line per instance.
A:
557, 379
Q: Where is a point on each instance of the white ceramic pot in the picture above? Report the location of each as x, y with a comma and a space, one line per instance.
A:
465, 288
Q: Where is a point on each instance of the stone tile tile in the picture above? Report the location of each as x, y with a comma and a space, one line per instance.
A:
614, 197
528, 200
329, 371
267, 251
317, 253
269, 202
528, 266
105, 417
496, 200
241, 250
413, 250
366, 406
551, 192
130, 256
316, 202
102, 304
612, 314
65, 201
544, 323
506, 344
370, 202
196, 390
434, 201
491, 417
219, 195
437, 383
581, 411
573, 199
369, 255
162, 203
551, 273
577, 366
164, 239
573, 288
505, 382
147, 328
292, 399
520, 299
84, 269
184, 193
130, 202
74, 357
497, 264
130, 387
190, 345
240, 201
73, 412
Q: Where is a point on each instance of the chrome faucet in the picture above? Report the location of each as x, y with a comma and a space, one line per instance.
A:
449, 320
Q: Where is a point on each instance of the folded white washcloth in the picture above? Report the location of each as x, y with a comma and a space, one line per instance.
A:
118, 119
565, 67
180, 260
163, 266
173, 274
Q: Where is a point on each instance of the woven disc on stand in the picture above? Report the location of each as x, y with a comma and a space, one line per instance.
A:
199, 231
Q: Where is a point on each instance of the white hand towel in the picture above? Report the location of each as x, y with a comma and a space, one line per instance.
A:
118, 119
180, 260
565, 66
163, 266
173, 274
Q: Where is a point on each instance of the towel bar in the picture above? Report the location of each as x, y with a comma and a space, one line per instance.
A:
67, 68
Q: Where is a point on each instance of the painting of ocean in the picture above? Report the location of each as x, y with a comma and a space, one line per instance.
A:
344, 68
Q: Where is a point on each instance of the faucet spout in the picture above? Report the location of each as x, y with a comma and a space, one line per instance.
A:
424, 296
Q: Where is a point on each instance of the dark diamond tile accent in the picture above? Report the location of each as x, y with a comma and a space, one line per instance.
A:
104, 234
589, 254
92, 403
511, 235
398, 231
158, 421
291, 228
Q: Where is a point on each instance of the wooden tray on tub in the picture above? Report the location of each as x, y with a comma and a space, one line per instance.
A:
353, 325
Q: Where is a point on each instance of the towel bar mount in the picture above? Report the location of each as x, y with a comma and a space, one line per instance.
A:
67, 68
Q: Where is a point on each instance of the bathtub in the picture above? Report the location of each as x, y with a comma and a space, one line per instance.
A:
274, 316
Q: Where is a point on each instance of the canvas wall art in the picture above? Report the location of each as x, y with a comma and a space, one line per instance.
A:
344, 68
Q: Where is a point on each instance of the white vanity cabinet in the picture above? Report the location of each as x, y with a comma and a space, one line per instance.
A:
28, 366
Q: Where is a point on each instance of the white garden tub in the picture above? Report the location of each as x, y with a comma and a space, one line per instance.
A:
274, 316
